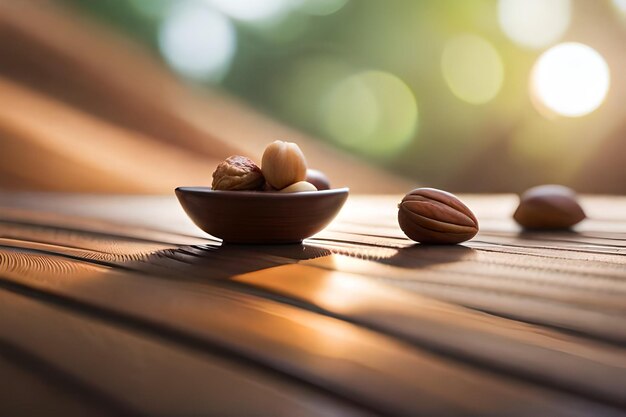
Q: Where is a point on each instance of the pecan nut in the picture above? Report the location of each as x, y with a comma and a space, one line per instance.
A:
428, 215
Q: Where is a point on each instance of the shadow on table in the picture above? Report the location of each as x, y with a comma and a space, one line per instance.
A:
204, 262
225, 261
410, 257
543, 234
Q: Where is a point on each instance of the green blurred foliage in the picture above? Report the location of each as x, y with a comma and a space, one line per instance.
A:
288, 69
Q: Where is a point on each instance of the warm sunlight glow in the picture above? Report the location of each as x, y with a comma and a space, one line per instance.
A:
534, 23
373, 113
472, 68
197, 41
339, 292
570, 79
620, 5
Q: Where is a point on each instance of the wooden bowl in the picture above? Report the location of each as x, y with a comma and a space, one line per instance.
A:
261, 217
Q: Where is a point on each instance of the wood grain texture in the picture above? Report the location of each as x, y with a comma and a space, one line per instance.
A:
349, 362
508, 324
148, 376
29, 389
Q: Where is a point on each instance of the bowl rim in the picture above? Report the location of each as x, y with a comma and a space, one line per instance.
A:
260, 194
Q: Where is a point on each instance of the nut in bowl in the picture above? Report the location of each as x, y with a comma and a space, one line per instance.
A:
272, 204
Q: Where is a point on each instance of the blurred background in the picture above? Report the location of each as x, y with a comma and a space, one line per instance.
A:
469, 96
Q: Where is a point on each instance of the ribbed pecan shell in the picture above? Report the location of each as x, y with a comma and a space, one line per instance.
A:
428, 215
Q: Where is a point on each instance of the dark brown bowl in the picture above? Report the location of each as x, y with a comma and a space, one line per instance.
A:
261, 217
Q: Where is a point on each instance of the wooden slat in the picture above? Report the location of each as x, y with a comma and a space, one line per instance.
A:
102, 227
512, 291
501, 343
148, 376
28, 389
584, 296
356, 364
360, 284
440, 268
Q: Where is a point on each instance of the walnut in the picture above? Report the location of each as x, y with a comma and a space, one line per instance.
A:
237, 173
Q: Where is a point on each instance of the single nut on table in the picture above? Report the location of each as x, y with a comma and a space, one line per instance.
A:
237, 173
428, 215
318, 179
548, 207
283, 164
299, 187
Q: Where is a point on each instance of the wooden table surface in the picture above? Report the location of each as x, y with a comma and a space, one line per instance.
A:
120, 306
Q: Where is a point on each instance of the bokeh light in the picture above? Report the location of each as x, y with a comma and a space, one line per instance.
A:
570, 79
254, 10
482, 106
197, 41
472, 68
534, 23
620, 5
373, 113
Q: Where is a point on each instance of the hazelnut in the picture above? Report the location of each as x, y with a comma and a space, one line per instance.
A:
318, 179
428, 215
283, 164
237, 173
299, 187
548, 207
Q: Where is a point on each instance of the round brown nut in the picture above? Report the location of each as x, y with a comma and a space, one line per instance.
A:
283, 164
237, 173
548, 207
318, 179
428, 215
299, 187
